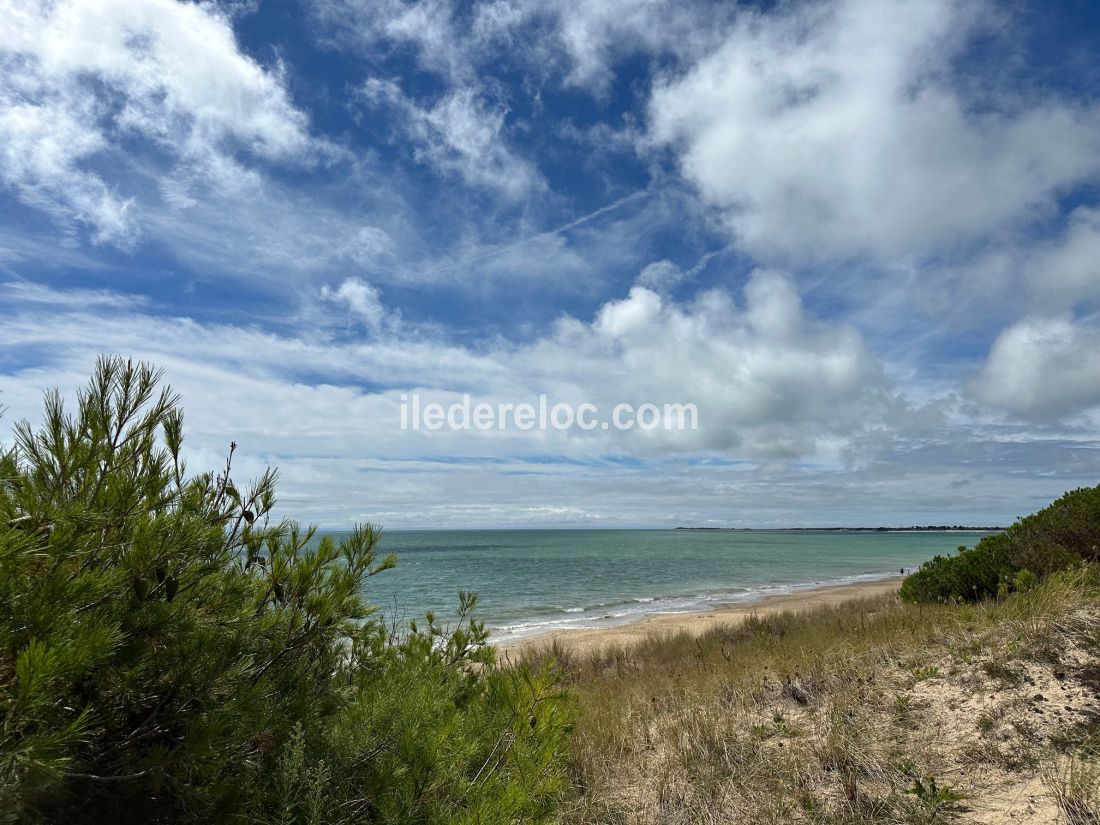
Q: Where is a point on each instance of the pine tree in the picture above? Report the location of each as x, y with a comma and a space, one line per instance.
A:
169, 652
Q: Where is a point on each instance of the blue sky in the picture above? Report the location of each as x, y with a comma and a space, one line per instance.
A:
862, 236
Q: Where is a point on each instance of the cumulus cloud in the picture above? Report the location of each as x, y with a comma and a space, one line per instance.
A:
78, 79
768, 379
1065, 271
1043, 368
836, 129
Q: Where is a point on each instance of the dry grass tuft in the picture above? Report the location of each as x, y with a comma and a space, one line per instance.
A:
872, 711
1074, 782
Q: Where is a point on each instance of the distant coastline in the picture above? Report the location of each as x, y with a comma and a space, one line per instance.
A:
927, 529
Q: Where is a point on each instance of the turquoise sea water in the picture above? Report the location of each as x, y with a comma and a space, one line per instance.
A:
530, 581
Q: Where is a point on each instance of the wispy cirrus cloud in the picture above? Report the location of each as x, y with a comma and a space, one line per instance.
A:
83, 80
570, 43
460, 133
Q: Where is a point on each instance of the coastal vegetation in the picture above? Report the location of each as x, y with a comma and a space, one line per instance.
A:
975, 697
1059, 536
170, 652
875, 711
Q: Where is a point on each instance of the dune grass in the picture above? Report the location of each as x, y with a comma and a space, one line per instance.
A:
871, 711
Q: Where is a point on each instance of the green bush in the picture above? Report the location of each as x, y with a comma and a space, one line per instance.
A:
1058, 536
168, 653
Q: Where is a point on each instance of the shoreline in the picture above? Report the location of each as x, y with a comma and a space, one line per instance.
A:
591, 639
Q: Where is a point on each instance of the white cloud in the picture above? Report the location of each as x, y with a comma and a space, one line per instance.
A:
815, 131
833, 130
768, 379
661, 276
429, 24
1042, 368
772, 384
369, 245
363, 300
1066, 270
595, 34
574, 42
79, 78
1017, 275
461, 133
42, 148
27, 292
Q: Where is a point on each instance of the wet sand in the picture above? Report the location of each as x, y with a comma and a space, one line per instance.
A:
583, 640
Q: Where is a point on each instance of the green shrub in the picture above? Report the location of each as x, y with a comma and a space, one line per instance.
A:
170, 653
1058, 536
970, 574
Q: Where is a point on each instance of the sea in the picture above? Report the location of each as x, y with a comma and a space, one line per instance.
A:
533, 581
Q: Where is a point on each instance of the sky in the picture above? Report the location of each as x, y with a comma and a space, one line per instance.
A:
861, 236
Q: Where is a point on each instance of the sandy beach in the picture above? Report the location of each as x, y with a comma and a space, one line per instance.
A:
584, 640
